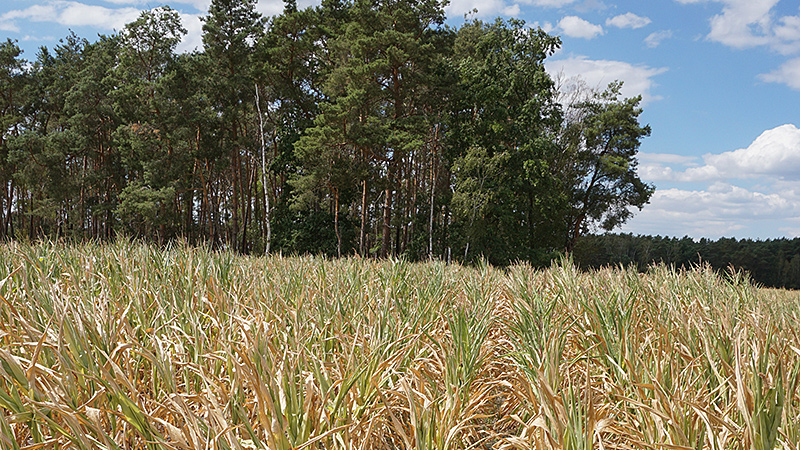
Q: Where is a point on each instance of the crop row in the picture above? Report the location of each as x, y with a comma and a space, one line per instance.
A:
124, 346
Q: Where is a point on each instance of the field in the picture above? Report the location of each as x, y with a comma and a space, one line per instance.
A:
130, 346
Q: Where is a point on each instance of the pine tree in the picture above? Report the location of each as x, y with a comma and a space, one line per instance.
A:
230, 32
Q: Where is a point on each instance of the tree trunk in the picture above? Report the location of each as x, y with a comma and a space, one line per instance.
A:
247, 210
3, 216
387, 222
362, 240
576, 232
430, 218
267, 223
336, 222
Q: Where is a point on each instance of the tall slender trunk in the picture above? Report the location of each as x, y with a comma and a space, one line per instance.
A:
362, 241
236, 186
430, 218
162, 227
387, 220
9, 217
206, 210
336, 222
3, 214
189, 217
433, 168
264, 174
248, 207
31, 229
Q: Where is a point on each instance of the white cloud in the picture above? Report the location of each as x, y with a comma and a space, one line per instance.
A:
726, 201
71, 13
74, 13
773, 156
667, 158
486, 8
775, 153
8, 25
576, 27
789, 28
749, 23
201, 5
788, 74
547, 27
628, 20
749, 192
491, 8
127, 2
655, 39
551, 3
28, 37
638, 79
720, 210
743, 23
193, 40
271, 7
511, 11
590, 5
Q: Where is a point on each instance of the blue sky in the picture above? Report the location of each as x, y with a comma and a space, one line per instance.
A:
720, 81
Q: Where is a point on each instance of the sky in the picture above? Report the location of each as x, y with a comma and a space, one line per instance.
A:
719, 79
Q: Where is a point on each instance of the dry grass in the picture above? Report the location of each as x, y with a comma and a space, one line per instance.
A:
125, 346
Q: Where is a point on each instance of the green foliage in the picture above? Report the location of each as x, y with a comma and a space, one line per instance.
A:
508, 199
603, 143
773, 262
12, 81
366, 127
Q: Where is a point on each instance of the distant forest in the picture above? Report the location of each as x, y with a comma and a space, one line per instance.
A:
354, 127
771, 263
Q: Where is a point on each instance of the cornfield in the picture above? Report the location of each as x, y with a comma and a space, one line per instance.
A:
128, 346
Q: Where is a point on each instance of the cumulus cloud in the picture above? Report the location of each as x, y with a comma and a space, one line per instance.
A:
193, 40
667, 158
749, 192
628, 20
721, 209
747, 24
74, 14
71, 13
574, 26
788, 74
637, 79
485, 8
201, 5
547, 27
788, 29
271, 7
775, 153
127, 2
8, 25
724, 200
551, 3
655, 39
773, 156
743, 24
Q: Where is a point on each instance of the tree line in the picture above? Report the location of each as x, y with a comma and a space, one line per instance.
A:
771, 262
356, 127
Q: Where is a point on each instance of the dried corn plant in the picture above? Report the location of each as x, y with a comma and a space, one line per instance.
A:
125, 346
